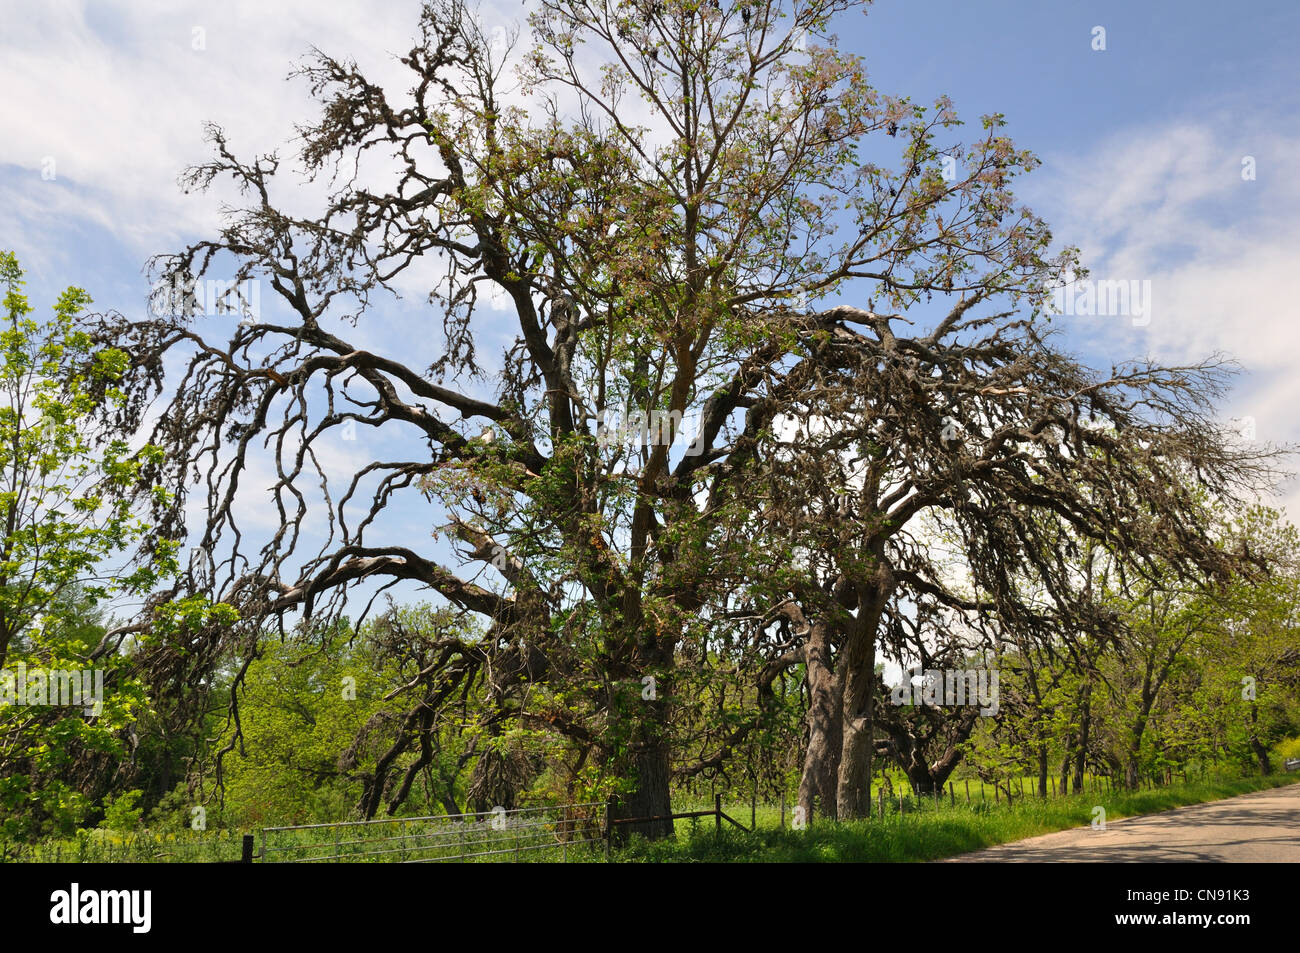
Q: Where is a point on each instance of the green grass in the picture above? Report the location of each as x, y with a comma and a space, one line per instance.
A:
923, 830
929, 832
142, 847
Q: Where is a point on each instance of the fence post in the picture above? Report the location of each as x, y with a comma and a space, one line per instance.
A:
717, 812
952, 796
881, 792
968, 792
609, 827
246, 857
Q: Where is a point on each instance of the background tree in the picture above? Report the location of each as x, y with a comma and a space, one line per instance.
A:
65, 519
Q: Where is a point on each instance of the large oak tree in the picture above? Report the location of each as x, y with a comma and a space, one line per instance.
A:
668, 197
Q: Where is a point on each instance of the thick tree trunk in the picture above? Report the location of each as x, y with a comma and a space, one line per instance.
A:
817, 785
649, 766
639, 715
858, 675
853, 785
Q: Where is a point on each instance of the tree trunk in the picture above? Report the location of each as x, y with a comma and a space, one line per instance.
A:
1261, 753
858, 676
649, 766
1085, 724
817, 784
853, 787
1131, 772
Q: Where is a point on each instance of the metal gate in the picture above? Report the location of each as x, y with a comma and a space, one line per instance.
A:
553, 833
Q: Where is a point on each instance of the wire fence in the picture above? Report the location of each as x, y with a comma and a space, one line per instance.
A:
536, 834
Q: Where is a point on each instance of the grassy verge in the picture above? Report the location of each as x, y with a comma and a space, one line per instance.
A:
932, 833
921, 831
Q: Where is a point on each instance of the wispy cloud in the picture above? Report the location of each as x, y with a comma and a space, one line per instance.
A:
1171, 205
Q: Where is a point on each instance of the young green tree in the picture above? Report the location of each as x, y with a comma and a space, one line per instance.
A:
63, 520
63, 515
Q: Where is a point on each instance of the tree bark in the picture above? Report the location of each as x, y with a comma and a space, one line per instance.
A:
858, 675
817, 784
649, 766
853, 787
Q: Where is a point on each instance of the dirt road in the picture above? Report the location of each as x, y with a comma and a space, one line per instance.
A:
1260, 827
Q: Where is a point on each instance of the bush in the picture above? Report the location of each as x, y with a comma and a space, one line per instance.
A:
1287, 750
122, 814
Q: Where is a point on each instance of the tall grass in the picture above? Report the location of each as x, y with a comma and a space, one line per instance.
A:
139, 847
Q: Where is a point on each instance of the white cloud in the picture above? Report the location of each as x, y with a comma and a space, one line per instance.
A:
117, 93
1170, 205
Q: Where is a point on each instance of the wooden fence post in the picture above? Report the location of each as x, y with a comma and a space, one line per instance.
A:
609, 826
246, 855
717, 812
968, 792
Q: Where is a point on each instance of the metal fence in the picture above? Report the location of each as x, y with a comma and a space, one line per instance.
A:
561, 832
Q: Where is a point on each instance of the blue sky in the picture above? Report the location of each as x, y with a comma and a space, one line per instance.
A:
1142, 144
